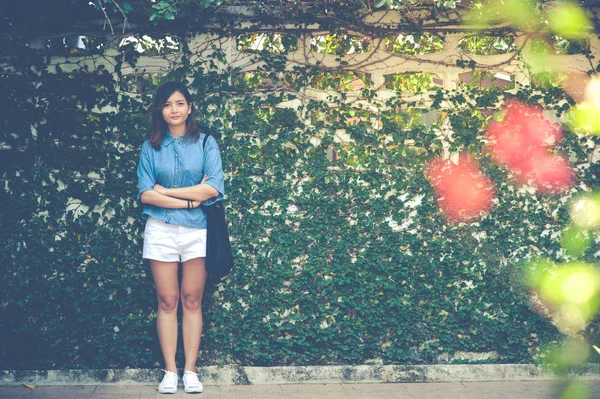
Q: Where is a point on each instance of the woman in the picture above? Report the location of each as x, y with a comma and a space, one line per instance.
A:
175, 174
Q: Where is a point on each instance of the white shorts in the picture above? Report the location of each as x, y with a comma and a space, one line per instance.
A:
171, 243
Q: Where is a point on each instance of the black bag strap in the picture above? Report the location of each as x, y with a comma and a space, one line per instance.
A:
204, 145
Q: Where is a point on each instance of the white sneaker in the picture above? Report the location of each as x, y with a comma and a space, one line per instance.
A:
168, 383
191, 383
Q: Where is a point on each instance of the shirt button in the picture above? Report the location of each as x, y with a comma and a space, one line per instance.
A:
176, 170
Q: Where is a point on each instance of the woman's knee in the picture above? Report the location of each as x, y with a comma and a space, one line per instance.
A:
168, 303
191, 300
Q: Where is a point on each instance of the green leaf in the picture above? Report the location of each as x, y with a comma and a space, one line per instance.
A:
381, 3
126, 7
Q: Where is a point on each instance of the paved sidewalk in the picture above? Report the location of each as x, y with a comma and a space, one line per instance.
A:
464, 390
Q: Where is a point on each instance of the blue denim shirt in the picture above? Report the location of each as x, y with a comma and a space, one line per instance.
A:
180, 162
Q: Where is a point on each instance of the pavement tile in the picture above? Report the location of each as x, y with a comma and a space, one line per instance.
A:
383, 387
60, 392
258, 393
226, 389
505, 395
121, 395
314, 391
121, 389
548, 388
147, 391
143, 395
15, 392
325, 389
522, 389
449, 390
513, 386
234, 391
442, 395
9, 393
379, 391
435, 386
210, 392
4, 395
267, 390
300, 395
89, 395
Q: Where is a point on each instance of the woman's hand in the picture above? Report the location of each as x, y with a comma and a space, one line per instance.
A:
160, 189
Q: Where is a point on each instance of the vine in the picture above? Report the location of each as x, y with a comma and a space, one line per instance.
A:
342, 254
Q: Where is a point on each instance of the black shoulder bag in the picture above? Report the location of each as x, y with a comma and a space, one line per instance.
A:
219, 257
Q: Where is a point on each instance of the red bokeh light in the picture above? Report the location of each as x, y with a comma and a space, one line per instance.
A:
547, 172
521, 142
464, 193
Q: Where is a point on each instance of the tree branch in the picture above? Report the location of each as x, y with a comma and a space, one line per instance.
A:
106, 17
122, 13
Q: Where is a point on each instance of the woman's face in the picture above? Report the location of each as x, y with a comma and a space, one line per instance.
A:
175, 112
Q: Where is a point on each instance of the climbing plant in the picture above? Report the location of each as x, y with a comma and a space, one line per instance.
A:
342, 255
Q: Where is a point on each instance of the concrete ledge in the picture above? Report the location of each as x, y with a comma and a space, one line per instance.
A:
238, 375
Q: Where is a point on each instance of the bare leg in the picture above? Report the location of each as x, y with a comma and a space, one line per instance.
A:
192, 289
167, 291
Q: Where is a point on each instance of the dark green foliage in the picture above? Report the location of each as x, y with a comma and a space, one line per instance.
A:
338, 262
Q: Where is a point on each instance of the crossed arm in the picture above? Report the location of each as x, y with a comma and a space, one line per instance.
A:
177, 198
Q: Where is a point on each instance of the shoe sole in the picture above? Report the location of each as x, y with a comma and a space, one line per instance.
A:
170, 391
193, 390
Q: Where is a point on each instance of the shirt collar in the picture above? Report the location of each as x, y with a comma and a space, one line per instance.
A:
170, 139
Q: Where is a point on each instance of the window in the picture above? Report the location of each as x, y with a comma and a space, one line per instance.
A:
487, 45
150, 46
414, 44
76, 45
411, 117
340, 44
261, 80
486, 80
342, 82
273, 43
559, 45
413, 82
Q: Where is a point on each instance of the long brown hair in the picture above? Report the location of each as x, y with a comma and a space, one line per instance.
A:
159, 126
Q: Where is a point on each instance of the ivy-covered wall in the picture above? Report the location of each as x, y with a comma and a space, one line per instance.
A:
342, 256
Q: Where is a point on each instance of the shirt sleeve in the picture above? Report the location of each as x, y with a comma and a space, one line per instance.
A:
213, 169
145, 170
